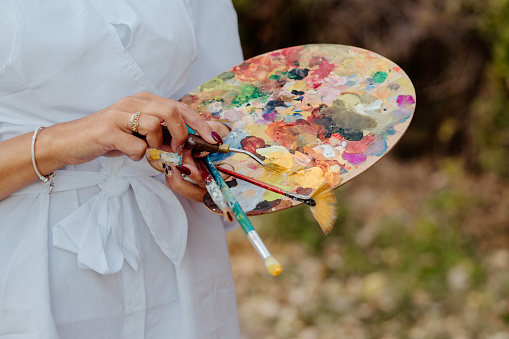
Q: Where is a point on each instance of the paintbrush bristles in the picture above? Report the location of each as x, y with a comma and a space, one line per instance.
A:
325, 209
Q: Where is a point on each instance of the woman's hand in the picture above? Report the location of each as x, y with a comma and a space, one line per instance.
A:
192, 190
104, 133
108, 132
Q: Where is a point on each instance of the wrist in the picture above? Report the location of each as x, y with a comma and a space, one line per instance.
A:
46, 152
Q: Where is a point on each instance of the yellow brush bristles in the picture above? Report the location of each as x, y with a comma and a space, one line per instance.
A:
273, 266
324, 210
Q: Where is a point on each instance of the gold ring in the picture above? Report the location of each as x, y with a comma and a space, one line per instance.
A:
135, 122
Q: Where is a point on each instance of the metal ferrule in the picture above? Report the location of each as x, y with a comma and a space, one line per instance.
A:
302, 198
258, 244
223, 148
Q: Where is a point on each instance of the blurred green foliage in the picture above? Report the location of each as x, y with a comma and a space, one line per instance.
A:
492, 108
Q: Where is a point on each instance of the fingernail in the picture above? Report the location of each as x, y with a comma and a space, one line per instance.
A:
216, 137
195, 153
167, 169
183, 170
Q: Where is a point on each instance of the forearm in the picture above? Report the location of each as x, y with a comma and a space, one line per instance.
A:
16, 168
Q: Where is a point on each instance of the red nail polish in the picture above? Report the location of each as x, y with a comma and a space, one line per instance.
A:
183, 170
216, 137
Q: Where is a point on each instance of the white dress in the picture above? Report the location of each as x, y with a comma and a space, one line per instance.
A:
113, 253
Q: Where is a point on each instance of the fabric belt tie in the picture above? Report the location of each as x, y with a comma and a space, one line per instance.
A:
102, 230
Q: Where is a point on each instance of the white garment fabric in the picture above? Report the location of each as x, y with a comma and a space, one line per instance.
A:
113, 253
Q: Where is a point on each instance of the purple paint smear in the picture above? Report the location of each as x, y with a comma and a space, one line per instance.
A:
354, 159
404, 100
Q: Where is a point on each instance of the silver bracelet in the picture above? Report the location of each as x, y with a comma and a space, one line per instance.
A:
45, 179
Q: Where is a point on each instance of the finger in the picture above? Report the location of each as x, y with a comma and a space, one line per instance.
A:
191, 118
188, 116
196, 122
193, 174
150, 127
128, 144
164, 109
185, 188
221, 129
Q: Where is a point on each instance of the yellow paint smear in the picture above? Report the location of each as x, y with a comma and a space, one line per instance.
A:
271, 196
155, 154
307, 178
299, 85
284, 160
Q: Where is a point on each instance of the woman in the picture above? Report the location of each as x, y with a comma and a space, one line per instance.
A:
111, 252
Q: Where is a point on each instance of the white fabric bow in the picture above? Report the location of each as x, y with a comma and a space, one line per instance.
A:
102, 231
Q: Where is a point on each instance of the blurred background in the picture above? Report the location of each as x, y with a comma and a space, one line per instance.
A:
421, 245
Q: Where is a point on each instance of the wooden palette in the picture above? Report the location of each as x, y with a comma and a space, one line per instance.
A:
320, 112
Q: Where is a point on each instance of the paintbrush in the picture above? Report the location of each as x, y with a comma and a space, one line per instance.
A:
322, 201
196, 142
214, 190
272, 265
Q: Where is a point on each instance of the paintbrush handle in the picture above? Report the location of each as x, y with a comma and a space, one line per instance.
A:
272, 265
228, 196
193, 141
275, 189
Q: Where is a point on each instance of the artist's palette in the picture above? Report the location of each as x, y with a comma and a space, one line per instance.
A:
320, 112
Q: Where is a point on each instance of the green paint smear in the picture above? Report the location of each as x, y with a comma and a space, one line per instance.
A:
226, 76
246, 93
380, 77
212, 83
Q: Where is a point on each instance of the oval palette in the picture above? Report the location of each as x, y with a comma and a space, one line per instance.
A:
315, 112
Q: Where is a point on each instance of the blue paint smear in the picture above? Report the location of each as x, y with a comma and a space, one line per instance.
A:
292, 118
235, 137
401, 115
216, 157
343, 171
378, 148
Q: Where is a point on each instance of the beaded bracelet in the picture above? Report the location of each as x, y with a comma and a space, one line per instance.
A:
45, 179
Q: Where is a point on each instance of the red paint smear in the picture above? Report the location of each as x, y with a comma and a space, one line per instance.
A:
252, 143
405, 100
287, 134
337, 136
315, 61
396, 69
253, 70
253, 166
356, 147
292, 54
323, 69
